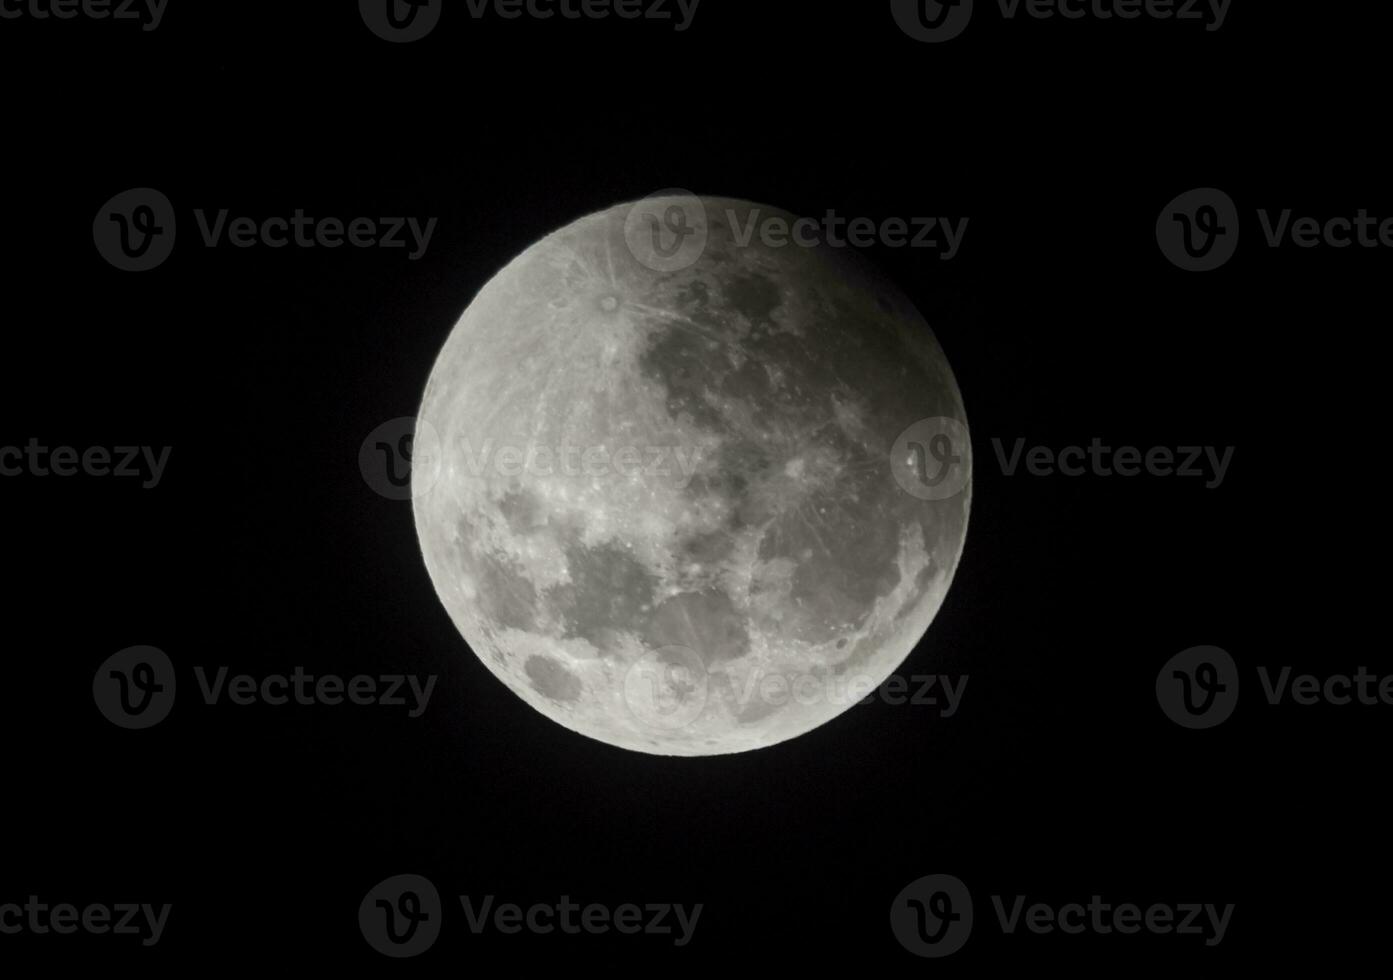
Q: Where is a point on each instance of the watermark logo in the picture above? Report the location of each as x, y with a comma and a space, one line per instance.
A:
667, 231
400, 21
932, 20
134, 688
1198, 231
666, 688
134, 231
400, 917
1198, 687
932, 459
401, 459
932, 917
404, 458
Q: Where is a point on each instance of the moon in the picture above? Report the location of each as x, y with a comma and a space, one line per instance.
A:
687, 485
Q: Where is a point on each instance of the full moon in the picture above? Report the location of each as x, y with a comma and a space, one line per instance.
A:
690, 484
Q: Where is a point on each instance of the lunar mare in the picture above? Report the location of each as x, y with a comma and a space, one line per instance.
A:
661, 506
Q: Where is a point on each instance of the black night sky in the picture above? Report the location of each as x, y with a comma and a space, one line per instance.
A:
262, 549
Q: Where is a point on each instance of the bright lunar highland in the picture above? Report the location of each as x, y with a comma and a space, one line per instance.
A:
667, 481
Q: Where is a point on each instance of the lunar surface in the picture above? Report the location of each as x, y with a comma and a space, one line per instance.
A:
671, 494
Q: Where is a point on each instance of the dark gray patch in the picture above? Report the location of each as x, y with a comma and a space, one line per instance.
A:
505, 596
706, 622
522, 511
755, 710
811, 366
694, 299
552, 680
921, 584
735, 476
845, 548
751, 383
755, 296
708, 548
854, 549
609, 591
684, 363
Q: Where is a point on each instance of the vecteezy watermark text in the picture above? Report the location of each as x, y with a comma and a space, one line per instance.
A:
668, 231
837, 231
1198, 687
942, 20
933, 917
387, 690
97, 919
566, 916
303, 231
405, 457
148, 13
680, 12
135, 231
122, 462
669, 688
932, 460
1199, 230
135, 688
1098, 459
402, 916
657, 462
403, 21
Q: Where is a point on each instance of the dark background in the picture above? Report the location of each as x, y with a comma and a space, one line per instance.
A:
264, 549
